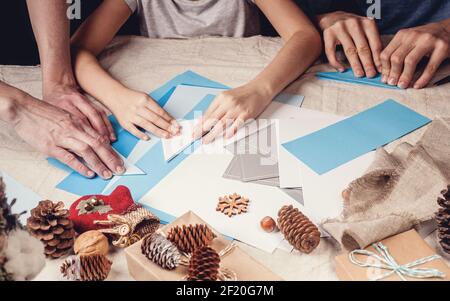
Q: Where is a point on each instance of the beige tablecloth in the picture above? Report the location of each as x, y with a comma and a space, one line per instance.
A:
145, 64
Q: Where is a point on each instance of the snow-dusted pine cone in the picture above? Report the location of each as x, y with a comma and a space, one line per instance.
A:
86, 268
50, 223
443, 219
204, 265
188, 238
298, 230
161, 251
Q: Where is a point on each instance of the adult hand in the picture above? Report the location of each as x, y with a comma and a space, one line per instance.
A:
69, 98
230, 111
359, 38
138, 110
408, 48
66, 137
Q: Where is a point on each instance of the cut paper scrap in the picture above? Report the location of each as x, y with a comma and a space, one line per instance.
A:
173, 146
79, 185
349, 77
353, 137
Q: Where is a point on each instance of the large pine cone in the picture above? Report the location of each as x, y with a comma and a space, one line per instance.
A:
189, 238
50, 223
443, 219
298, 230
161, 251
204, 265
86, 268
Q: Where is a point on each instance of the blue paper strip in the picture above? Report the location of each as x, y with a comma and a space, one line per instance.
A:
154, 164
344, 141
349, 77
79, 185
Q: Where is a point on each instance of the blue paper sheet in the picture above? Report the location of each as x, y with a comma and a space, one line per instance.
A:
344, 141
79, 185
349, 77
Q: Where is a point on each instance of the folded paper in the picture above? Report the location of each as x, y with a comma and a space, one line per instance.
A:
353, 137
349, 77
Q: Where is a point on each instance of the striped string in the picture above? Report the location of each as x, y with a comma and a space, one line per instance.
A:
385, 261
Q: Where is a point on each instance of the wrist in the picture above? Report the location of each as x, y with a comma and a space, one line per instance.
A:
264, 88
52, 81
11, 106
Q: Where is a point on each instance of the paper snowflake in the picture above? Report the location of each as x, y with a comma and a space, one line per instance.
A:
232, 204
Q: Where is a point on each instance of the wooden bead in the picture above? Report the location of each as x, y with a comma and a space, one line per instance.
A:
268, 224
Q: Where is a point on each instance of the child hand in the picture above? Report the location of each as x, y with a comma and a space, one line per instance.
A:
230, 111
138, 110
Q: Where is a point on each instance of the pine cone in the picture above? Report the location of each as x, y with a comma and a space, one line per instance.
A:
298, 230
161, 251
49, 222
443, 219
204, 265
86, 268
188, 238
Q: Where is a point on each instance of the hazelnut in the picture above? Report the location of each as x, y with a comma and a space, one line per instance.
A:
91, 243
268, 224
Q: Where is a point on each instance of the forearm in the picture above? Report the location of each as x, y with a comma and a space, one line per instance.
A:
299, 52
446, 24
51, 29
95, 80
10, 101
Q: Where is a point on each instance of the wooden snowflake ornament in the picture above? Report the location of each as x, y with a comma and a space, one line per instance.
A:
232, 204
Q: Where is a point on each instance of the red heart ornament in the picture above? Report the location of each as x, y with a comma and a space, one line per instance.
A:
90, 208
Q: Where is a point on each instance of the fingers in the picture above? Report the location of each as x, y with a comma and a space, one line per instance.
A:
136, 132
373, 37
436, 59
410, 65
156, 124
363, 49
386, 59
150, 127
208, 121
330, 51
397, 62
72, 161
232, 130
112, 134
154, 107
94, 117
351, 53
218, 129
84, 151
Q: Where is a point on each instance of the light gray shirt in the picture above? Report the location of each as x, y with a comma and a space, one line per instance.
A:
196, 18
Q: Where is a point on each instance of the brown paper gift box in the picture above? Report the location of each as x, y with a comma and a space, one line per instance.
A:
404, 248
241, 263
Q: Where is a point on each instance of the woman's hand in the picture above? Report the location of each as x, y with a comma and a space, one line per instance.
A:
138, 110
359, 38
408, 48
230, 111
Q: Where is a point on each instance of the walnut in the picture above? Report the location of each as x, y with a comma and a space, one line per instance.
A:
91, 243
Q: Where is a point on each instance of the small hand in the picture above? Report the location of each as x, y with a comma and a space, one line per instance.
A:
61, 135
406, 51
359, 38
71, 100
230, 111
137, 109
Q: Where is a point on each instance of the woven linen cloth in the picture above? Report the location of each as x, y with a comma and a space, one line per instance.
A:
398, 191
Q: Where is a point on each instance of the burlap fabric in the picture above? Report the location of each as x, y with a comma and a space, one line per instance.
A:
398, 191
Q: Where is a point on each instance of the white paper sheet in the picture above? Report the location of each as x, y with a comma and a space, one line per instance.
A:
131, 169
323, 193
